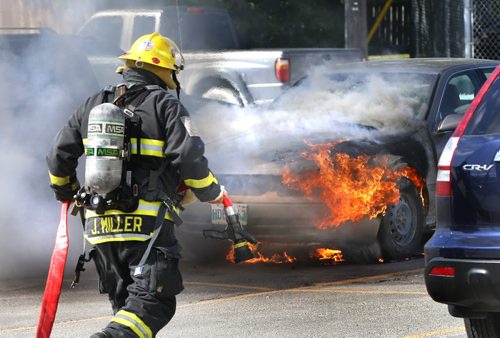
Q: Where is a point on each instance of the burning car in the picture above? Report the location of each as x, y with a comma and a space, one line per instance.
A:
346, 158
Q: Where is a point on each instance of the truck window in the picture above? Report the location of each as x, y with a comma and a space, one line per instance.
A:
200, 30
143, 24
486, 119
107, 28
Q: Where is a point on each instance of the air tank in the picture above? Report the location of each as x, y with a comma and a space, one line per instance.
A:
104, 148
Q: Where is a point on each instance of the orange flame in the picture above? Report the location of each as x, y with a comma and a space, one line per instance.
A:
351, 187
325, 255
275, 258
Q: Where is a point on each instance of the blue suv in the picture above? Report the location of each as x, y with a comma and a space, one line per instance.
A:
463, 256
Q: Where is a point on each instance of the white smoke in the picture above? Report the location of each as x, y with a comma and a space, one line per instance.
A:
43, 80
320, 109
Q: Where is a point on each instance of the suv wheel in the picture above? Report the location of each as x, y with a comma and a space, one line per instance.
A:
401, 229
483, 328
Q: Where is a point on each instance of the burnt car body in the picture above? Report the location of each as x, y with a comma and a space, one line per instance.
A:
276, 214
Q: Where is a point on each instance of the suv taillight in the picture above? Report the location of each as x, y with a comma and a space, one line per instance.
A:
282, 69
443, 183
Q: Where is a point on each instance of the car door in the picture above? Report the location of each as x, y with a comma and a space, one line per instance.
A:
456, 94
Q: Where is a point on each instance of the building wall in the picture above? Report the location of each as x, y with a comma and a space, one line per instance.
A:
64, 16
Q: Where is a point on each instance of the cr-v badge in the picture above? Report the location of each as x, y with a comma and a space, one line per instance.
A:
477, 167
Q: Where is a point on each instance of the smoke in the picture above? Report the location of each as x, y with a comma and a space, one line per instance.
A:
44, 78
322, 108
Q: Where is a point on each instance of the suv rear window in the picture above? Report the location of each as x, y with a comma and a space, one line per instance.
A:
486, 119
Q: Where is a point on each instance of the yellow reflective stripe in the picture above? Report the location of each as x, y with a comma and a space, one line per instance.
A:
149, 147
85, 141
152, 142
56, 180
144, 208
203, 183
241, 244
130, 325
134, 323
117, 238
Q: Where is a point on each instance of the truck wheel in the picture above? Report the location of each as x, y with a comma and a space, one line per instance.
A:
484, 327
401, 229
223, 95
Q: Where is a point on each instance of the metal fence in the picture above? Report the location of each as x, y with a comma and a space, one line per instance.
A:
486, 29
431, 28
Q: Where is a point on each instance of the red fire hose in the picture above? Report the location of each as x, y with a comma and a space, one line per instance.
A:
55, 277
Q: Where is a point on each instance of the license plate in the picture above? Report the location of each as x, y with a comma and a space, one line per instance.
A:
218, 216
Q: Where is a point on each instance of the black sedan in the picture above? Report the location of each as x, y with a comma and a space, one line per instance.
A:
391, 117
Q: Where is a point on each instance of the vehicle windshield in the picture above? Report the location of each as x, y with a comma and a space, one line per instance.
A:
486, 120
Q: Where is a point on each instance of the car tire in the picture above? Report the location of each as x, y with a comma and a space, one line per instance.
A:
402, 227
484, 327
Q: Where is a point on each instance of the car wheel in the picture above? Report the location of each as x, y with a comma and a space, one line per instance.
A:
484, 327
401, 229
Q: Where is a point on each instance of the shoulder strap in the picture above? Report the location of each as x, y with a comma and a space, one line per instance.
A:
108, 90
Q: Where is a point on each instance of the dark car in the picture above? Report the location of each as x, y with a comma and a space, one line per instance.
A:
463, 256
423, 96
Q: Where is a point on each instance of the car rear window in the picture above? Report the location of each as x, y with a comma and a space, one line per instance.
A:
486, 119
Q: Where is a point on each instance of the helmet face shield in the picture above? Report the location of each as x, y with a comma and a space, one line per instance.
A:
156, 50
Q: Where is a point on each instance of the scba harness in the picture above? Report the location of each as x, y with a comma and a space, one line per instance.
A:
113, 135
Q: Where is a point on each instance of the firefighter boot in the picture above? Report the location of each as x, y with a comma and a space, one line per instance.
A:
101, 334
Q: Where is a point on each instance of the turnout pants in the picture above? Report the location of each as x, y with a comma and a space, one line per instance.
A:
142, 304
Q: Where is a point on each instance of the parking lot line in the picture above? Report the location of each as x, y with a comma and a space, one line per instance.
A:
367, 278
362, 291
306, 288
438, 332
268, 291
62, 322
231, 286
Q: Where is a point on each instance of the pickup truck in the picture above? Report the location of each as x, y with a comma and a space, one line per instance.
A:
215, 67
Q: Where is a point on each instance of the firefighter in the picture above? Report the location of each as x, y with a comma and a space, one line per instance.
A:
136, 251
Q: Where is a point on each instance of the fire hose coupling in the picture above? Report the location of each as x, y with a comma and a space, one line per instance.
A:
234, 232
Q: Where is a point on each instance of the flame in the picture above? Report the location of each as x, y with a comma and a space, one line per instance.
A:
351, 187
275, 258
325, 255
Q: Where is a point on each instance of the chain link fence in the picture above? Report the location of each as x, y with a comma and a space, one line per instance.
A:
431, 28
486, 29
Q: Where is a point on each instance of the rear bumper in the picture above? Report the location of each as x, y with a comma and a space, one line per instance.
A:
475, 288
284, 220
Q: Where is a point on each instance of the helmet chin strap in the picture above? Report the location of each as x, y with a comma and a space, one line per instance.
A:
178, 85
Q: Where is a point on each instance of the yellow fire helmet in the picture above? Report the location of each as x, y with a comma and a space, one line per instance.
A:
154, 49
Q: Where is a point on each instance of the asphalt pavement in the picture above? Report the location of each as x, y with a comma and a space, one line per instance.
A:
257, 300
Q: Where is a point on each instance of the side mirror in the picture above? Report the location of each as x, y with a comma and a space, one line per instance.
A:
449, 123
